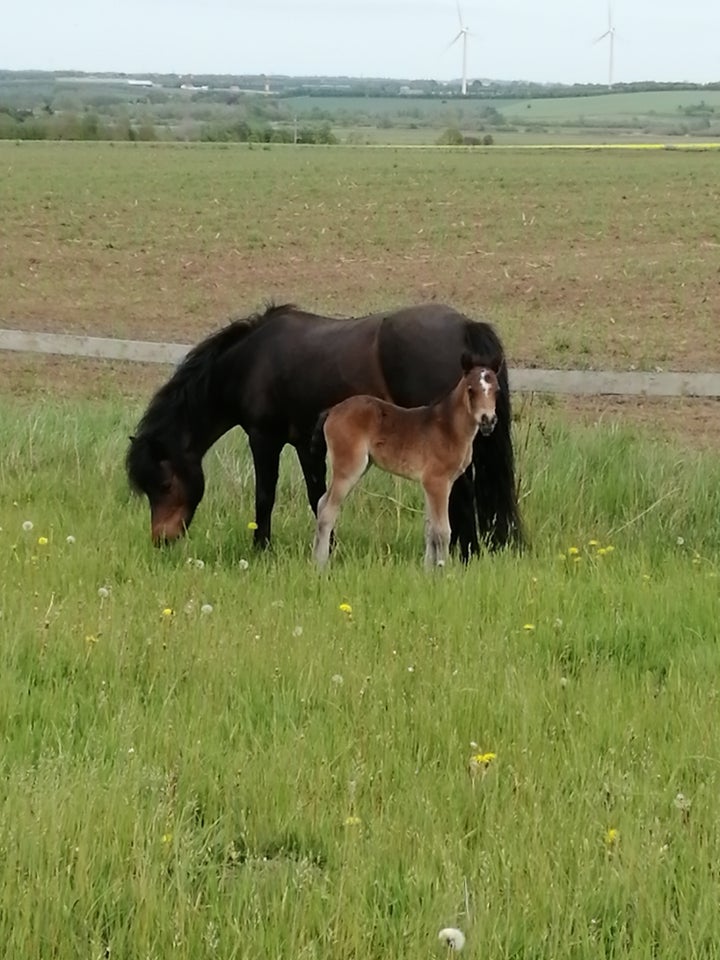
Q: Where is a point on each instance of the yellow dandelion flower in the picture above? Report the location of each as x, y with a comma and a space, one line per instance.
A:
42, 541
593, 543
577, 559
345, 608
611, 837
167, 838
529, 627
609, 548
352, 821
602, 551
167, 612
646, 576
483, 759
573, 551
252, 525
91, 639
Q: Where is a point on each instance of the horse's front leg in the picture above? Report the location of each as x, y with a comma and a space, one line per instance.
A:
266, 449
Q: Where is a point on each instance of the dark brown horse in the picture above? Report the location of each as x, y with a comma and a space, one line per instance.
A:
274, 373
432, 444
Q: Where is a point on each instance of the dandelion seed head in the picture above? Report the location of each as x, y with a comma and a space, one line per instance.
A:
103, 592
452, 938
27, 525
337, 679
243, 564
70, 539
297, 631
206, 609
680, 540
563, 681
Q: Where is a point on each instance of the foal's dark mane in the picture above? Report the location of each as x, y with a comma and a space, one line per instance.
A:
186, 395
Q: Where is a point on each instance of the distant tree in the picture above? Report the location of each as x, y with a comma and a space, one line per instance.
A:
451, 137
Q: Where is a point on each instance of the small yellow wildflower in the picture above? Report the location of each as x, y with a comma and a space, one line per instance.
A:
167, 612
609, 548
352, 821
529, 627
602, 551
646, 576
573, 551
611, 837
42, 541
577, 559
167, 838
91, 639
593, 543
252, 525
345, 608
483, 759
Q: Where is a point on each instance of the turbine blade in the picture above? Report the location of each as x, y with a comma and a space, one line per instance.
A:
459, 14
454, 40
598, 39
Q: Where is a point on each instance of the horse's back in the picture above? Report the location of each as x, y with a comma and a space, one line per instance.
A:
420, 349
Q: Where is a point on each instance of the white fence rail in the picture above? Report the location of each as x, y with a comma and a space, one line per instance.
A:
589, 382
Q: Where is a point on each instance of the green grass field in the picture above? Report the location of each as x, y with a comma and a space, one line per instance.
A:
205, 756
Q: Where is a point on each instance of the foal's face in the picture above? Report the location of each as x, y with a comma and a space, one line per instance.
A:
482, 390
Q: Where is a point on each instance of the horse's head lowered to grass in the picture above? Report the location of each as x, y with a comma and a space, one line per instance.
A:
172, 479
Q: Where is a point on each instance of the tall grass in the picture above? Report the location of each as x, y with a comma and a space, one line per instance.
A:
211, 759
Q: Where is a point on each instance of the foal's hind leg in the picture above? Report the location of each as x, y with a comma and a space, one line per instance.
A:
437, 536
345, 477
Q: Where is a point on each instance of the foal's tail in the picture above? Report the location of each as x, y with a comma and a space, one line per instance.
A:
496, 495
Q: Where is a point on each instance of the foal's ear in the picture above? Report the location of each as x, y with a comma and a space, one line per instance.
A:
467, 362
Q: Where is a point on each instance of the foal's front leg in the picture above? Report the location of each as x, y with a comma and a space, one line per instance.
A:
437, 536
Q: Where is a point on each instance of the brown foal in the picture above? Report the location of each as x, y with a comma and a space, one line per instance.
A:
432, 444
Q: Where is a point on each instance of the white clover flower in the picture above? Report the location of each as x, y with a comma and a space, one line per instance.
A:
452, 938
104, 593
243, 564
206, 608
70, 539
27, 525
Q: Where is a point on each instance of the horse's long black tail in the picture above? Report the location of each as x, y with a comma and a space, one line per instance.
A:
496, 494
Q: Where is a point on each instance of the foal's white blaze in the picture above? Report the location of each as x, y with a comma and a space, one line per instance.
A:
486, 384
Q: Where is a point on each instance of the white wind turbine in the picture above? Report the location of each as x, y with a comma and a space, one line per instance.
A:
610, 34
464, 33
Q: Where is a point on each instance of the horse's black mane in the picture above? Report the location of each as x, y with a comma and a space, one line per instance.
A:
187, 393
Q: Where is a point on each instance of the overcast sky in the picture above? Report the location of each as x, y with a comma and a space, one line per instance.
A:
541, 40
